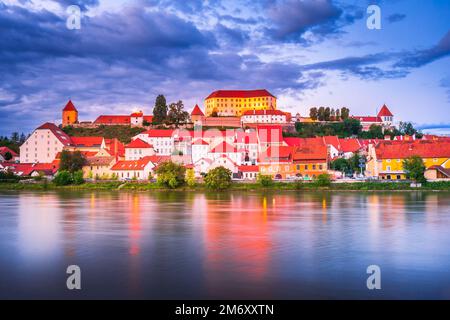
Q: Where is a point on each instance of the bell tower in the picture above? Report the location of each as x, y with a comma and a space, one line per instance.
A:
69, 114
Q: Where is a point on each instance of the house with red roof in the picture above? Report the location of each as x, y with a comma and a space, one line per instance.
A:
137, 169
44, 144
135, 119
233, 103
247, 145
162, 140
384, 118
200, 150
6, 154
385, 159
248, 172
138, 149
224, 149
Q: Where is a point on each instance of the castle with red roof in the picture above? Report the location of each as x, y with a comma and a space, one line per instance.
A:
384, 118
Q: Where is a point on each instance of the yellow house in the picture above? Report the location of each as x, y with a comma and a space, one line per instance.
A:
229, 103
385, 160
99, 167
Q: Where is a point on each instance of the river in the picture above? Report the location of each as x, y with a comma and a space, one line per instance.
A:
237, 245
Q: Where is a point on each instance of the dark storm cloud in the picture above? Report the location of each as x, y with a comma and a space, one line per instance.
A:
420, 58
83, 4
396, 17
290, 19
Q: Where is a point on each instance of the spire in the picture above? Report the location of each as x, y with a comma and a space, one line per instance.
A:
70, 107
197, 111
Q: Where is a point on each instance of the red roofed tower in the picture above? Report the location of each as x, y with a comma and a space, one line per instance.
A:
386, 115
197, 116
69, 114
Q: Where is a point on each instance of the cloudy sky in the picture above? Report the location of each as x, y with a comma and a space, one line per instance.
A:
306, 52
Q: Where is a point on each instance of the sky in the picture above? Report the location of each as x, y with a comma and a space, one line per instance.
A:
309, 53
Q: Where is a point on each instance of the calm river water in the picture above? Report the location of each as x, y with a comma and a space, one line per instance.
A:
178, 245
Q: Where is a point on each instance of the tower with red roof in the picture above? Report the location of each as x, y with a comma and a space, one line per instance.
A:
197, 115
69, 114
386, 115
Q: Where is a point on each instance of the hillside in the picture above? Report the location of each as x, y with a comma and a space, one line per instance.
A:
123, 133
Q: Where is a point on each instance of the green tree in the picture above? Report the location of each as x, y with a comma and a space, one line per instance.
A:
341, 165
313, 113
8, 156
323, 180
63, 178
327, 114
333, 114
264, 181
338, 115
15, 138
218, 179
407, 128
376, 132
177, 115
414, 168
352, 126
190, 178
345, 113
72, 161
160, 110
321, 114
170, 174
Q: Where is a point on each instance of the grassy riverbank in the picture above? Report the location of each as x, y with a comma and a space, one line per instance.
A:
119, 186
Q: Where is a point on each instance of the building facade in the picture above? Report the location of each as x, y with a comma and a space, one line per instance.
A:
228, 103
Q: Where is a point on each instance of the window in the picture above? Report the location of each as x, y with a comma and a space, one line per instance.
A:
398, 177
388, 168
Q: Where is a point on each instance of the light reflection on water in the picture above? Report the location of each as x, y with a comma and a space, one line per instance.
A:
229, 245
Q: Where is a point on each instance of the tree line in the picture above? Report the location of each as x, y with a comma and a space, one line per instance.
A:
173, 113
329, 114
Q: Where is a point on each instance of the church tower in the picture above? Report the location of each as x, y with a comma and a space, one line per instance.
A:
69, 114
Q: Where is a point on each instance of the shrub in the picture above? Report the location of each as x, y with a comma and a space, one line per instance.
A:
263, 180
170, 174
323, 180
190, 178
218, 178
63, 178
77, 177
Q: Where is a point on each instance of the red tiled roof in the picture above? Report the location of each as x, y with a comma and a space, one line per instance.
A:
385, 112
298, 142
159, 133
132, 164
248, 168
111, 145
4, 150
25, 169
197, 111
276, 154
69, 106
423, 149
332, 140
240, 94
137, 114
223, 147
200, 142
264, 112
59, 134
87, 141
138, 144
367, 118
310, 152
442, 170
113, 120
349, 145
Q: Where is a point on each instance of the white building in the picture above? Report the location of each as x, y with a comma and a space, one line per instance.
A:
264, 117
135, 169
138, 149
161, 140
247, 145
200, 150
225, 149
44, 144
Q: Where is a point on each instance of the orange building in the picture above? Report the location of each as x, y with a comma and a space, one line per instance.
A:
69, 114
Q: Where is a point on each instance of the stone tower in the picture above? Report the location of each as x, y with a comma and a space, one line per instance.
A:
69, 114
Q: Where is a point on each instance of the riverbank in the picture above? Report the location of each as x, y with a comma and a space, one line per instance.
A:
235, 186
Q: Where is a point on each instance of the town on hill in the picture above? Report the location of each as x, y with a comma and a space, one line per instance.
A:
242, 131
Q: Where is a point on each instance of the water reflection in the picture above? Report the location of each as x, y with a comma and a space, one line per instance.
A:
225, 245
